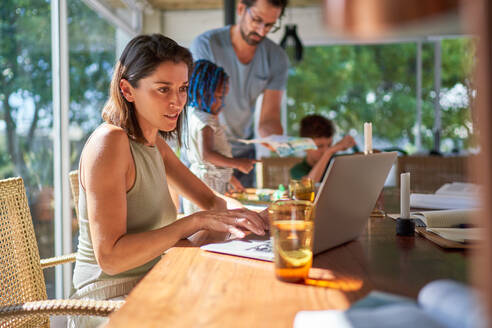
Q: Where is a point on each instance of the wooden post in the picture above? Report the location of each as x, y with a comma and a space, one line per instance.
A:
479, 14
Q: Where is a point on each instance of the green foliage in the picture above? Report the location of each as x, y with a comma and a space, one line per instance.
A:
26, 83
25, 64
458, 70
358, 83
92, 56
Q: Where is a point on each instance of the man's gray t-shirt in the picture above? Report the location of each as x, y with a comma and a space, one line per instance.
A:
266, 71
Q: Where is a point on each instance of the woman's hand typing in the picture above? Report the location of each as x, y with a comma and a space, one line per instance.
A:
232, 221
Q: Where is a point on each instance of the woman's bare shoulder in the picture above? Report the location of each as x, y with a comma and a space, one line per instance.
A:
109, 133
107, 137
107, 144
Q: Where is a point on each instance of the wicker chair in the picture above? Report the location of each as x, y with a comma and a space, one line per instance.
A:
23, 299
74, 186
272, 171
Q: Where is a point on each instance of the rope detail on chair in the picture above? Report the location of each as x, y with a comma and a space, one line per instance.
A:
60, 307
53, 261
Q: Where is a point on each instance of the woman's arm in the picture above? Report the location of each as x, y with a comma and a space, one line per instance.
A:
186, 183
244, 165
198, 192
107, 172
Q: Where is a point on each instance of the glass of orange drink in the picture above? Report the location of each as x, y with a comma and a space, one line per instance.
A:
292, 223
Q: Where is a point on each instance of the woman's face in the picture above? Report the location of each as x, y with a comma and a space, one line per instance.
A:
219, 95
160, 97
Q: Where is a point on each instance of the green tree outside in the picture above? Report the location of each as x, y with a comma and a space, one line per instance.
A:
353, 84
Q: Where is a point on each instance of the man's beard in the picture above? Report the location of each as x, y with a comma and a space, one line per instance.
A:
248, 40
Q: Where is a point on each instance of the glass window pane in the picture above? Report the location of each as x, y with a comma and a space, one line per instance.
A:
92, 48
353, 84
458, 91
26, 121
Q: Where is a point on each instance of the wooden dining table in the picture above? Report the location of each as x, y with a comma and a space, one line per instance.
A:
190, 287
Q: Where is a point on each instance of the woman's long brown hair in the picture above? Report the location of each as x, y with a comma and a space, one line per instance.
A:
140, 58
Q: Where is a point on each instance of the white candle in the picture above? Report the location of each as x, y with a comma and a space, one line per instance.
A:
367, 138
405, 195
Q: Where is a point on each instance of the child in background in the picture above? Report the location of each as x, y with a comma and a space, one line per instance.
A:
209, 151
321, 130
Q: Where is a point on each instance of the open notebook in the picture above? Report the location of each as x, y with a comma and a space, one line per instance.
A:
253, 246
456, 195
454, 225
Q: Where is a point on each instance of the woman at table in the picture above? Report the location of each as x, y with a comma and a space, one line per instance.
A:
127, 218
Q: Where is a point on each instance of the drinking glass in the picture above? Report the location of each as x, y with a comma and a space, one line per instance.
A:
292, 230
302, 189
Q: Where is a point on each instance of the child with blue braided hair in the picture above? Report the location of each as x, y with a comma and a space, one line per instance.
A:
209, 152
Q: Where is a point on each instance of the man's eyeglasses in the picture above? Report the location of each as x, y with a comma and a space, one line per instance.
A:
257, 22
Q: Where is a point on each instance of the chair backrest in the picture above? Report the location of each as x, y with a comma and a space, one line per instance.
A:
428, 173
21, 275
272, 171
74, 186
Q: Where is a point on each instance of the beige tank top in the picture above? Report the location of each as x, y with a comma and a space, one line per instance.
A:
149, 206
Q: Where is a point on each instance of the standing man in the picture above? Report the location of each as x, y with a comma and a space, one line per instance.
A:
255, 65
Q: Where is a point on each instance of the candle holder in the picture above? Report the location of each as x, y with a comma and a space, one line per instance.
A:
405, 227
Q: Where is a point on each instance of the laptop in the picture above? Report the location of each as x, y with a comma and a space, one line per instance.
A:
343, 204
